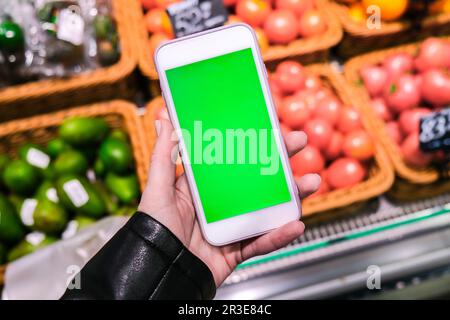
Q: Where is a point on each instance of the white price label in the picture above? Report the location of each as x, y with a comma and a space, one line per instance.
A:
70, 27
27, 211
71, 230
76, 192
52, 195
35, 238
37, 158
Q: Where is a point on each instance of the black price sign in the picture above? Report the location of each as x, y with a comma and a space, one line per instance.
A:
191, 16
435, 131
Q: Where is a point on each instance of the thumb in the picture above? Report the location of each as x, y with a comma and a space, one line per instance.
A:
162, 170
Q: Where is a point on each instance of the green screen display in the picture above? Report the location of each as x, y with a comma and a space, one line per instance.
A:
228, 135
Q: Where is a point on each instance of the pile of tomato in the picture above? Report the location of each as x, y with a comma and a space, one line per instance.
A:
403, 88
276, 22
338, 148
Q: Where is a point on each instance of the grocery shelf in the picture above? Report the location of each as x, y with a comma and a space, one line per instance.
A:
332, 257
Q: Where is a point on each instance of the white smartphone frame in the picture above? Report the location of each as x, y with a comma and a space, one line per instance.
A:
205, 45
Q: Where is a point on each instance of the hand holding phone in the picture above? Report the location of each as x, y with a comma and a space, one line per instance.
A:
237, 168
169, 201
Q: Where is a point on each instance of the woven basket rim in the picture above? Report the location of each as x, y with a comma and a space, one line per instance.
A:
352, 67
356, 29
111, 74
297, 47
120, 107
2, 274
382, 175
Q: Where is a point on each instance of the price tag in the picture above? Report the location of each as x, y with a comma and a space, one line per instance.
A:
27, 211
35, 238
38, 158
71, 230
191, 16
76, 192
435, 131
52, 195
70, 26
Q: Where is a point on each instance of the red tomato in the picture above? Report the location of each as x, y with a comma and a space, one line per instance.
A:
436, 87
311, 23
334, 148
349, 120
294, 112
309, 96
434, 54
319, 133
374, 79
274, 86
253, 12
359, 145
290, 76
163, 4
410, 119
329, 109
296, 6
148, 4
402, 93
412, 154
284, 129
157, 20
281, 26
393, 130
398, 64
324, 93
313, 82
345, 172
309, 160
379, 106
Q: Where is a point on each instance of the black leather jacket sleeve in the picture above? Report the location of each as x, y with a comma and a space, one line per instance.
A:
144, 260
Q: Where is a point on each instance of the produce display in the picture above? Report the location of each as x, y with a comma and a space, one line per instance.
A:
87, 170
44, 38
403, 88
277, 22
51, 191
339, 149
392, 11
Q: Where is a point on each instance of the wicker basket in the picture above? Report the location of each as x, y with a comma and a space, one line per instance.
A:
2, 275
314, 49
41, 129
359, 39
381, 174
360, 94
101, 84
404, 191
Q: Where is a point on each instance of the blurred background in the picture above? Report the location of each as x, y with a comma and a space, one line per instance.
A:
367, 80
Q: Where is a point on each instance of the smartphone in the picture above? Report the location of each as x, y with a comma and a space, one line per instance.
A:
217, 95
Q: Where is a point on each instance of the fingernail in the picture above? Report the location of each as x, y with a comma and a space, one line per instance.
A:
301, 134
318, 179
158, 126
